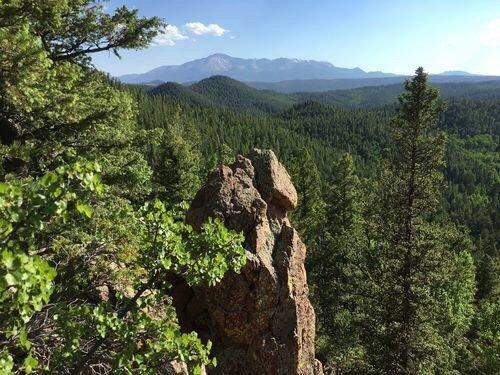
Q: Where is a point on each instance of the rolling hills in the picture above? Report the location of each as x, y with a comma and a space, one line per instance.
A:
319, 85
221, 91
224, 92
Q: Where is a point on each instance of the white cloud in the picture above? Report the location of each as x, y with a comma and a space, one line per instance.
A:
490, 35
169, 36
232, 37
199, 28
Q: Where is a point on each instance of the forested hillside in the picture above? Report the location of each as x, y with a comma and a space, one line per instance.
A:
335, 153
383, 95
398, 207
220, 91
318, 85
228, 93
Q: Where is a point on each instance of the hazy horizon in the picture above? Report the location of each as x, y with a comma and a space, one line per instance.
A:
388, 36
410, 73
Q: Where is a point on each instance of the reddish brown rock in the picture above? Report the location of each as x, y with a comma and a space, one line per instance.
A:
261, 320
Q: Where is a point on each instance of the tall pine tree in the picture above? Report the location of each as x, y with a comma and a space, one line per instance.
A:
309, 215
422, 279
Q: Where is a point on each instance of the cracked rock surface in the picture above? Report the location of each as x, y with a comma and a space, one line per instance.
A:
261, 320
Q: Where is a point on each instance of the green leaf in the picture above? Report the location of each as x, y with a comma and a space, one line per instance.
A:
8, 259
23, 339
84, 209
11, 280
166, 263
30, 364
4, 188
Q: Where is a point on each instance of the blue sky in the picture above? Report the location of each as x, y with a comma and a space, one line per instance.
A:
389, 35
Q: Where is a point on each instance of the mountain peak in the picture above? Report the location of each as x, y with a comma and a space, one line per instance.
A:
222, 55
218, 63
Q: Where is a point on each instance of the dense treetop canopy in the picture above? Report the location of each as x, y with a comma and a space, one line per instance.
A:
399, 206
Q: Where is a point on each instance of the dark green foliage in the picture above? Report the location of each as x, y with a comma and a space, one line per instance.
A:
335, 263
422, 286
311, 138
220, 91
310, 215
369, 97
93, 173
225, 92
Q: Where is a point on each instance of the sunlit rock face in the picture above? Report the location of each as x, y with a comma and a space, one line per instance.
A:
261, 320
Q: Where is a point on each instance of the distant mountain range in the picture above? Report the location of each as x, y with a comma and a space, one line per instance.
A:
319, 85
284, 75
260, 70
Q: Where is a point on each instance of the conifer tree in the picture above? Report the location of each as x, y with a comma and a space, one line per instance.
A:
177, 162
421, 269
334, 270
309, 215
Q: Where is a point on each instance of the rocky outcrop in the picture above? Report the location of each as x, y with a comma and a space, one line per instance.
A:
261, 320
